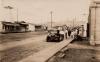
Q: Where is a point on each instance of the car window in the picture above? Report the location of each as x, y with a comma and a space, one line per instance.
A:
52, 31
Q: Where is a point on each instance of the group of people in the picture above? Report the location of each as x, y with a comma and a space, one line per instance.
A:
74, 32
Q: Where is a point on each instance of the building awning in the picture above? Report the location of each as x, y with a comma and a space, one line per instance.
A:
14, 24
11, 24
24, 24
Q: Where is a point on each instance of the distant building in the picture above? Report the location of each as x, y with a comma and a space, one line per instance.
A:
1, 27
23, 26
40, 27
7, 27
31, 27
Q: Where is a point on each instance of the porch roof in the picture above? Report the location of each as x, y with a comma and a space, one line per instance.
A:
11, 24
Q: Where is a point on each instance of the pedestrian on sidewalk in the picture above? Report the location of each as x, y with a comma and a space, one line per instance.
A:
66, 33
69, 32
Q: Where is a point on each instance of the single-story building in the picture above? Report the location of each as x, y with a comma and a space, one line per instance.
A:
1, 26
7, 27
31, 27
40, 27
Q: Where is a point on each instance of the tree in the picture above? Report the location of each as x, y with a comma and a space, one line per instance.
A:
10, 13
8, 7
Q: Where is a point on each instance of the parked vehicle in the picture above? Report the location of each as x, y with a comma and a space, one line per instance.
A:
55, 35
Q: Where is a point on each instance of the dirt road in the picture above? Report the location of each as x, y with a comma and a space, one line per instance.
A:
24, 48
12, 37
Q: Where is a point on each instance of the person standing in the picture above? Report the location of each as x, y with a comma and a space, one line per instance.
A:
69, 32
66, 33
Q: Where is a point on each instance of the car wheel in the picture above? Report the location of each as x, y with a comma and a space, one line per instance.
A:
61, 37
48, 39
66, 35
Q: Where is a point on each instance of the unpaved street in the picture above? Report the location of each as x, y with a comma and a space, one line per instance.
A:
23, 49
12, 37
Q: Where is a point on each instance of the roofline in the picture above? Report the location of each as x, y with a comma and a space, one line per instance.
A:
97, 2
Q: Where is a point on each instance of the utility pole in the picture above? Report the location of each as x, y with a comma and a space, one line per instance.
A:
51, 18
41, 21
73, 22
17, 14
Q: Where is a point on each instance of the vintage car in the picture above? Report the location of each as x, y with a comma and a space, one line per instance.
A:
54, 35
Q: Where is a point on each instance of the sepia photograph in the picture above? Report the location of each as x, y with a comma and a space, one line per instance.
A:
49, 31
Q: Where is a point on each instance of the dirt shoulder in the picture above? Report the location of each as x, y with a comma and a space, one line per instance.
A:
78, 51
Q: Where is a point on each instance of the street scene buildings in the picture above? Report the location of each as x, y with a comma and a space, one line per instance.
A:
49, 31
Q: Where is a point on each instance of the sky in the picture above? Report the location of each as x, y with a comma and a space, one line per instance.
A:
38, 11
